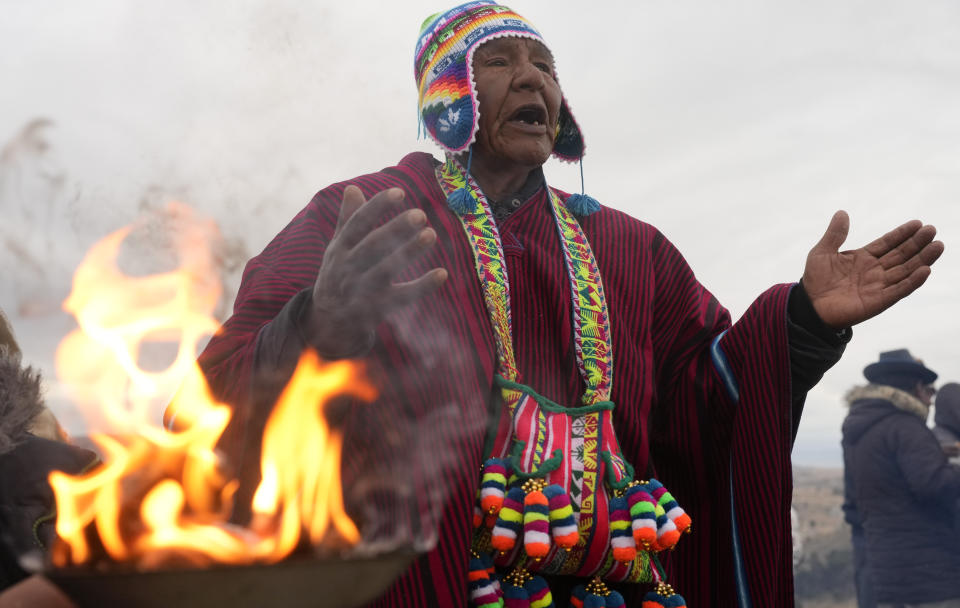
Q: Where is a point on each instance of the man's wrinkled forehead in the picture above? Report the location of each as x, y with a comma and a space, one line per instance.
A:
506, 43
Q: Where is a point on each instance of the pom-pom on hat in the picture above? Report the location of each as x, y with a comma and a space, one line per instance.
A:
443, 67
897, 368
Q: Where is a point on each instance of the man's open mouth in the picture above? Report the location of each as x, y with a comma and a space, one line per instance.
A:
530, 115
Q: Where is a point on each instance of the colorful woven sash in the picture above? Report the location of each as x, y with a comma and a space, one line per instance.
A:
555, 476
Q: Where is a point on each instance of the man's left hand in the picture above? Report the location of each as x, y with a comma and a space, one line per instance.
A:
848, 287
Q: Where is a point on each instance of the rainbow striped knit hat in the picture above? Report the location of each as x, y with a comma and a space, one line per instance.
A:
443, 66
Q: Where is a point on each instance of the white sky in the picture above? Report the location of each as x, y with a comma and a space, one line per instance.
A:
737, 128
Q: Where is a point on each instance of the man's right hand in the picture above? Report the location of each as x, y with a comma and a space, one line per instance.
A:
355, 288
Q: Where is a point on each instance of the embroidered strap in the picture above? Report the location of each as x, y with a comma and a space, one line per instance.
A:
491, 265
591, 321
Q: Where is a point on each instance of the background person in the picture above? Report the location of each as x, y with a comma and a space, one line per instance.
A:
946, 419
901, 486
31, 447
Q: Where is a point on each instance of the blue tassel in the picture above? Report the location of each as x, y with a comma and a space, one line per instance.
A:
582, 205
461, 202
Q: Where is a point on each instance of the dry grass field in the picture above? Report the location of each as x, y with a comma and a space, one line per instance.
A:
824, 572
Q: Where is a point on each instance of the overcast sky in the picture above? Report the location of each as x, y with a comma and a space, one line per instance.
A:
737, 128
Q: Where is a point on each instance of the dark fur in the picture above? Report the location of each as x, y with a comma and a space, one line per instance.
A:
21, 399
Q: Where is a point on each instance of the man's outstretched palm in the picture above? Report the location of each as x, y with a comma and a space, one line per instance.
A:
848, 287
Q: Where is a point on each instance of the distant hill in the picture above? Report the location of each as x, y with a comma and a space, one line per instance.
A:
823, 574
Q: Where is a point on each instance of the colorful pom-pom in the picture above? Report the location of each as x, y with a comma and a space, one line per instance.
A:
484, 589
667, 533
515, 597
478, 516
577, 596
670, 505
539, 592
615, 600
663, 597
493, 485
642, 515
509, 521
524, 590
536, 524
595, 594
621, 534
563, 525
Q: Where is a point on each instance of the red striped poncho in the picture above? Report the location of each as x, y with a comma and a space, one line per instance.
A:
434, 364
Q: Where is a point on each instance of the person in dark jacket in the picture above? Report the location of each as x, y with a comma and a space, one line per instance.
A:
946, 419
27, 506
900, 486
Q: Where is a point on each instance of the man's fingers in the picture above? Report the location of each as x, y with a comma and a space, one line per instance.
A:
411, 291
353, 199
899, 265
369, 215
895, 238
385, 240
835, 234
901, 289
931, 253
381, 274
908, 248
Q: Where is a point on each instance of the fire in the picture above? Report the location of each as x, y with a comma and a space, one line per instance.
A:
161, 495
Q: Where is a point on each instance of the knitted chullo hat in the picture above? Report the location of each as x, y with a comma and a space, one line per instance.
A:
443, 66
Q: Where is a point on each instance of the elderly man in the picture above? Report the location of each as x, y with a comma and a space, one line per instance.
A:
562, 348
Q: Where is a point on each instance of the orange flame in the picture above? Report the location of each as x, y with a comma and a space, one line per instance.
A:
163, 493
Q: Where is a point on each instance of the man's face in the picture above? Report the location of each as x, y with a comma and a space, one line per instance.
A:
925, 392
519, 102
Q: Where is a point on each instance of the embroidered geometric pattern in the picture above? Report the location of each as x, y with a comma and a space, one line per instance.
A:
591, 320
552, 470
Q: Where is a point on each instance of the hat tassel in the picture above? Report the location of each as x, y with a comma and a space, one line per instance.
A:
460, 200
582, 204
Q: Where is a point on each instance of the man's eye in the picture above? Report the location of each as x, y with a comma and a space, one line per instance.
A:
545, 67
496, 61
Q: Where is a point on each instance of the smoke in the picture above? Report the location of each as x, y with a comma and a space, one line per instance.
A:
401, 489
37, 205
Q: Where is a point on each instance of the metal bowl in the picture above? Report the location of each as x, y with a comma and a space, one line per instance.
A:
296, 583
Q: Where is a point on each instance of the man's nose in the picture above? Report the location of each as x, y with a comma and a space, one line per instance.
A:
528, 76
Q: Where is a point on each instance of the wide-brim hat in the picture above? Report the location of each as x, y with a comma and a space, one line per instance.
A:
898, 364
443, 68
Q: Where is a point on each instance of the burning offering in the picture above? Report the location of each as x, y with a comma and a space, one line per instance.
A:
162, 500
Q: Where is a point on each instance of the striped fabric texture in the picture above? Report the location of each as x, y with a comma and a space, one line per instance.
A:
412, 459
